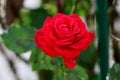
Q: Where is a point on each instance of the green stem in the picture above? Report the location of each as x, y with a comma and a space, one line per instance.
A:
64, 71
74, 7
103, 40
61, 71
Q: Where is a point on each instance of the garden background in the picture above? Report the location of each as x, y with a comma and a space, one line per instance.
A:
20, 59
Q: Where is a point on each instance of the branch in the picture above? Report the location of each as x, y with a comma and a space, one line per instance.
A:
74, 7
114, 37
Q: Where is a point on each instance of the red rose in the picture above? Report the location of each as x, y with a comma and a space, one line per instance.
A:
64, 36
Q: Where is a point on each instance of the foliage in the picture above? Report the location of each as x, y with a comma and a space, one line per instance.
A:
77, 73
81, 7
41, 61
114, 73
19, 38
68, 6
87, 57
37, 17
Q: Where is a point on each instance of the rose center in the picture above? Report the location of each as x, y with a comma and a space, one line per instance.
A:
64, 29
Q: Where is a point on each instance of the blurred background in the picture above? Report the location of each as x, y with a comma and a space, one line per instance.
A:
20, 59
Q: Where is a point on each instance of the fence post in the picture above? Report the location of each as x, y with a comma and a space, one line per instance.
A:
103, 38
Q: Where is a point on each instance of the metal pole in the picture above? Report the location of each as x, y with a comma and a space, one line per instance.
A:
103, 38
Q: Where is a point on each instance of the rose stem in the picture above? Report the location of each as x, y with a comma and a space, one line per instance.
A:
74, 7
103, 38
64, 71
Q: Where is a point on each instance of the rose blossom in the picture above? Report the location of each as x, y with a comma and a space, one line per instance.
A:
63, 36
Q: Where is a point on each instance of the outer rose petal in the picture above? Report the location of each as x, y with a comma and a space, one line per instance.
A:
40, 42
49, 50
46, 31
57, 16
75, 16
70, 63
77, 19
84, 43
39, 38
47, 20
67, 53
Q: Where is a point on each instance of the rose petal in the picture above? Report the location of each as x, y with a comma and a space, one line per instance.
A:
41, 43
47, 20
79, 36
58, 22
62, 30
67, 53
59, 42
46, 31
79, 21
57, 16
81, 26
75, 16
68, 21
70, 63
84, 42
39, 38
49, 50
75, 29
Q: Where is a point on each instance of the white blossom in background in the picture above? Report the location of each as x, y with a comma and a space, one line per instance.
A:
32, 4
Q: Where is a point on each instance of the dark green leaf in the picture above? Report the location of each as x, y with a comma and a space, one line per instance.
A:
78, 73
37, 17
68, 6
87, 57
114, 73
19, 38
41, 61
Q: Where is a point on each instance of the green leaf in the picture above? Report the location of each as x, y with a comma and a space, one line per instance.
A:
87, 57
19, 38
40, 61
78, 73
51, 8
25, 16
83, 8
35, 58
37, 17
114, 73
68, 6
